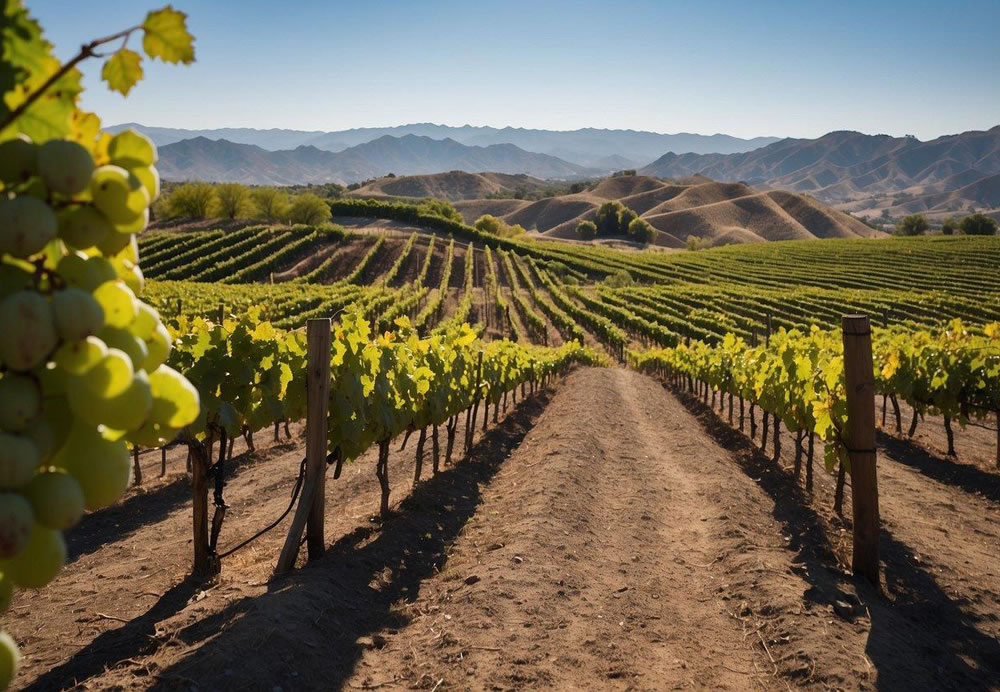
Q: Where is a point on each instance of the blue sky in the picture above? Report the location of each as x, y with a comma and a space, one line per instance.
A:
761, 68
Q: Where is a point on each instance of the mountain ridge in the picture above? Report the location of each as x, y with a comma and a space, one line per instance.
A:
583, 146
201, 158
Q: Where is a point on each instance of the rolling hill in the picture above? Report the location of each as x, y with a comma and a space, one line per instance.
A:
716, 213
224, 161
591, 147
864, 173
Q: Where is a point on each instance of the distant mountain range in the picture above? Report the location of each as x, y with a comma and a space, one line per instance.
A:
201, 158
863, 173
589, 147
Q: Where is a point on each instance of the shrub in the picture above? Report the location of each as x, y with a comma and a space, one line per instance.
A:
587, 230
233, 200
978, 224
272, 204
620, 279
196, 200
440, 208
949, 226
309, 209
607, 220
914, 224
487, 223
641, 230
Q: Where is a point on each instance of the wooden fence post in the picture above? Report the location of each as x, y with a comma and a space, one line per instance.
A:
311, 500
859, 381
222, 313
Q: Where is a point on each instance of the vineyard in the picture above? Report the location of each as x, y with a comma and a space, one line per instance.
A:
512, 463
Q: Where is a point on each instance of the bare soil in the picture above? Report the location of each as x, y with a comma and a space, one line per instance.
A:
606, 534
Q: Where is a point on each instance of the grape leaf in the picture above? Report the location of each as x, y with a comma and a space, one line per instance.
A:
122, 70
166, 36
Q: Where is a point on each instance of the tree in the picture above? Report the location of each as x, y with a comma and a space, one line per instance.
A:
233, 200
641, 230
625, 218
587, 230
978, 224
914, 224
949, 226
487, 223
309, 209
620, 279
607, 220
196, 200
441, 208
272, 204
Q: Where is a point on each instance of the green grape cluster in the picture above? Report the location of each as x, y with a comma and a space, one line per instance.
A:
82, 358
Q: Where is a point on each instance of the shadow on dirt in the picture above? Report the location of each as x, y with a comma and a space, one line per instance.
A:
310, 629
920, 637
967, 477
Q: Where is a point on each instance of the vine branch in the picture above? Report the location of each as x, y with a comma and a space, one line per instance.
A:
86, 51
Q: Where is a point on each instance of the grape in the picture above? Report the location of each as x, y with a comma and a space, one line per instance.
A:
77, 314
42, 434
132, 145
66, 167
158, 345
149, 434
56, 421
126, 341
20, 401
147, 175
175, 400
77, 357
85, 272
134, 227
26, 225
10, 659
13, 278
83, 227
145, 322
128, 410
113, 243
111, 376
19, 460
119, 195
56, 499
16, 523
118, 302
18, 160
100, 466
40, 561
28, 334
130, 274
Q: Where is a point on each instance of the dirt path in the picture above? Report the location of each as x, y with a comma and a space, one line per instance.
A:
609, 553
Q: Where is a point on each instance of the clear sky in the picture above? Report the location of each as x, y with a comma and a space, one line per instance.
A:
795, 68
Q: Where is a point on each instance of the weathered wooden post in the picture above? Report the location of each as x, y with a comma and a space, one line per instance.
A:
222, 313
859, 381
311, 500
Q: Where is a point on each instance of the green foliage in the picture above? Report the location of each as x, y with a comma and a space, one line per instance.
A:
487, 223
607, 219
308, 209
641, 230
233, 201
978, 224
586, 229
620, 279
438, 207
949, 226
271, 203
695, 243
195, 200
914, 224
